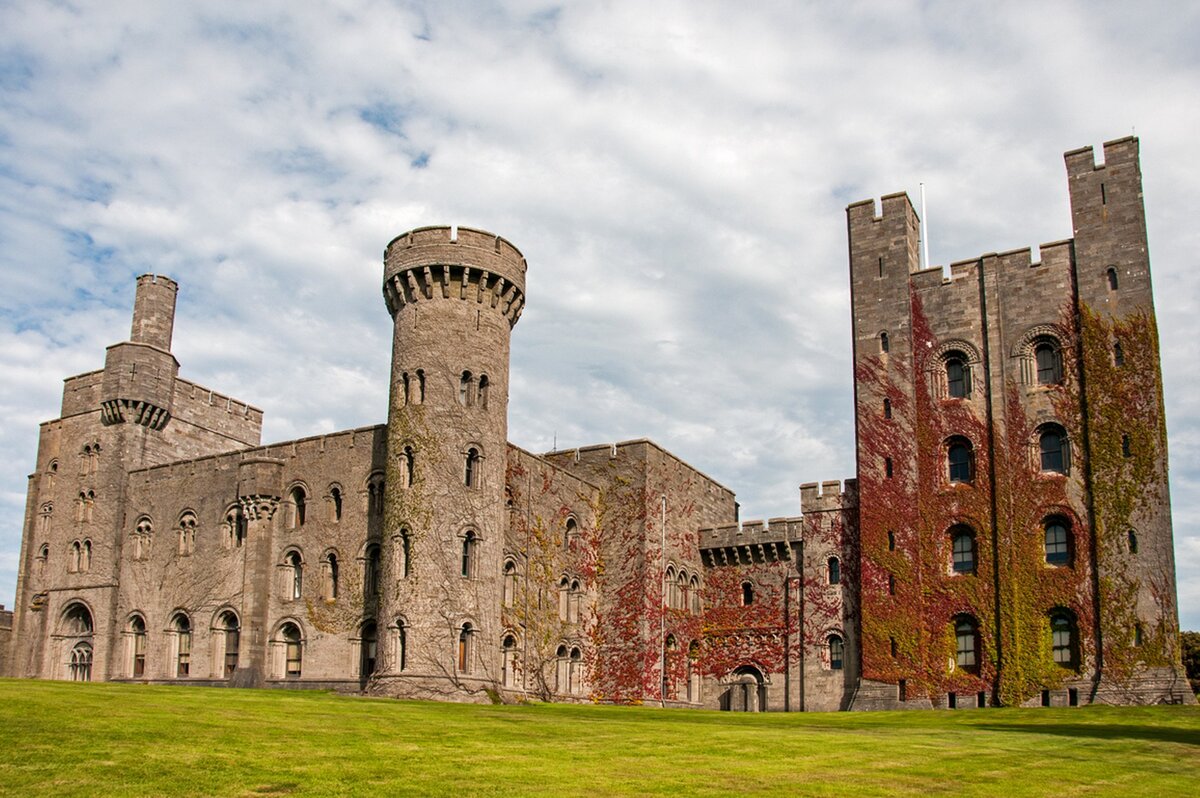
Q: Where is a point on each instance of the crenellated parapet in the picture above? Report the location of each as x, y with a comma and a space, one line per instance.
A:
440, 263
828, 496
750, 542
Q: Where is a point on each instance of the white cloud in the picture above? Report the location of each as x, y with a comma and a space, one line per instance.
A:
676, 178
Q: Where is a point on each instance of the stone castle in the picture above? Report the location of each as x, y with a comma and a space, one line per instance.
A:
1007, 539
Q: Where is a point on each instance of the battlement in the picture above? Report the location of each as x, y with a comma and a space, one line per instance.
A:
198, 394
454, 262
896, 205
750, 542
1120, 151
829, 495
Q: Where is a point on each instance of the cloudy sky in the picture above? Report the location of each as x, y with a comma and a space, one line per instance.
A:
676, 174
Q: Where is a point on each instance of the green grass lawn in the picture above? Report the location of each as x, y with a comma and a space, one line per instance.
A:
118, 740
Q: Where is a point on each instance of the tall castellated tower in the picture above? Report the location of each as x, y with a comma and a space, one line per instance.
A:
454, 296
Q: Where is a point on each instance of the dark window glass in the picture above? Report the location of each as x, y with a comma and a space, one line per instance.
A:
959, 456
835, 571
1062, 635
967, 640
837, 651
963, 547
1058, 543
1053, 447
958, 383
1049, 364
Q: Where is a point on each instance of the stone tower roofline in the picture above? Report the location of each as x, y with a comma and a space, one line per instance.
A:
154, 311
828, 495
454, 262
614, 450
1118, 151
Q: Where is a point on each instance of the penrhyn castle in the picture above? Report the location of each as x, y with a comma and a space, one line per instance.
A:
1007, 539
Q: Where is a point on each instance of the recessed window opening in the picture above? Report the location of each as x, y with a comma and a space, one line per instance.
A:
1126, 446
1062, 639
883, 342
958, 376
471, 473
468, 555
183, 645
891, 540
233, 637
293, 651
1111, 274
1133, 542
137, 628
1053, 449
464, 648
966, 634
747, 594
887, 467
1058, 542
887, 408
299, 504
484, 384
837, 652
834, 571
296, 573
959, 456
1118, 354
962, 545
464, 389
1049, 363
335, 494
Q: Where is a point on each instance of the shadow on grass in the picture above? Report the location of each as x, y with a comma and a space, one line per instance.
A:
1162, 734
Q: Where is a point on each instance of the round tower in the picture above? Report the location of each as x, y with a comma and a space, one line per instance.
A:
454, 295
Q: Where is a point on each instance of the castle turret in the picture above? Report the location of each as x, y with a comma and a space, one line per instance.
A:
139, 374
454, 295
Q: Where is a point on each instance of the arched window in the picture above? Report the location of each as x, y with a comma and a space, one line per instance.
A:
400, 660
576, 602
403, 553
1111, 274
1133, 542
299, 508
959, 457
182, 627
81, 662
77, 621
483, 390
958, 376
883, 342
1058, 542
837, 652
464, 389
747, 594
137, 647
564, 598
471, 474
834, 571
575, 672
76, 556
43, 558
85, 556
1138, 635
335, 499
962, 546
234, 527
891, 540
561, 678
329, 576
371, 572
1048, 358
469, 543
1118, 354
295, 572
466, 632
693, 672
694, 593
409, 465
293, 650
510, 583
405, 387
230, 631
187, 533
1054, 450
508, 661
369, 642
1063, 639
571, 533
966, 635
